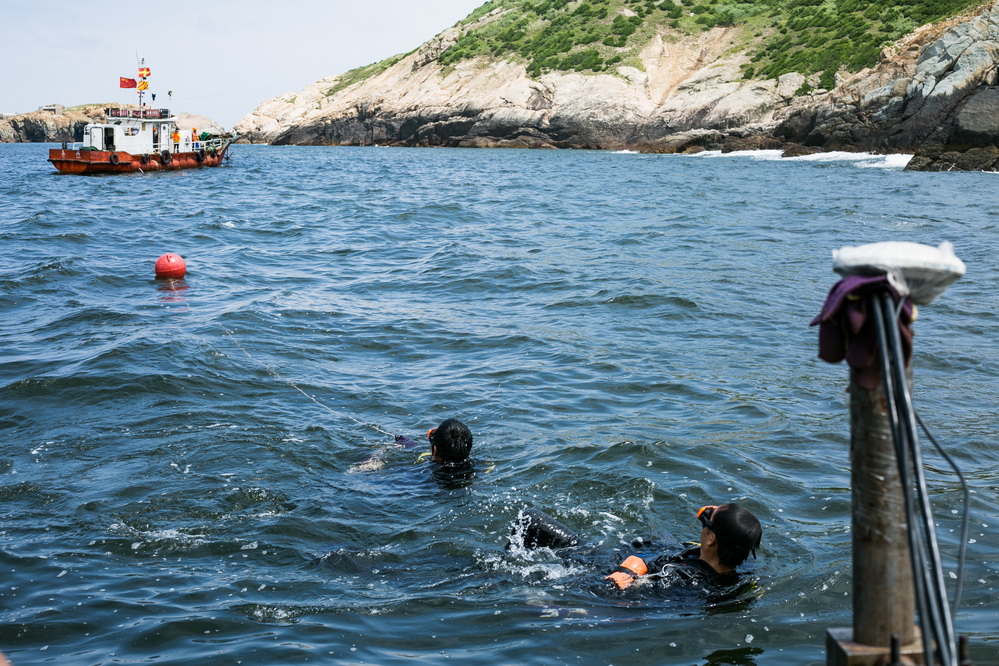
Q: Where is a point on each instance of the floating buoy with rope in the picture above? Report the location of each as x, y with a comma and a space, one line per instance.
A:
170, 265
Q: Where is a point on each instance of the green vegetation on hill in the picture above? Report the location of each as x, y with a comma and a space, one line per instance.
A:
814, 36
348, 79
806, 36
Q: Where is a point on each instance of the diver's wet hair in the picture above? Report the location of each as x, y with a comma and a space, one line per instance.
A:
453, 441
739, 534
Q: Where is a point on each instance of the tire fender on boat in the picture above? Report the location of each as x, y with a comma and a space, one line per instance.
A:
200, 155
165, 156
144, 158
114, 159
212, 152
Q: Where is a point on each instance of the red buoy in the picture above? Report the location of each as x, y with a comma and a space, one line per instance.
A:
170, 265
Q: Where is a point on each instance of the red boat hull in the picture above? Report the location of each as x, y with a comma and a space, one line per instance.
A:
103, 161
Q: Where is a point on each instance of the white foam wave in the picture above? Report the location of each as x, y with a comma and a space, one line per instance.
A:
535, 570
890, 161
866, 160
895, 161
762, 155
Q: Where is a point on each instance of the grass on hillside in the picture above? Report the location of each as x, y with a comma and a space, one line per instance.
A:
806, 36
361, 73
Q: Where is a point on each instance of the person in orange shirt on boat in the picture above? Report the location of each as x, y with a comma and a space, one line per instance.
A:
176, 140
194, 139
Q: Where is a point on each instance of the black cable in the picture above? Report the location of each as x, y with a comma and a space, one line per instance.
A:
933, 624
943, 628
965, 519
901, 457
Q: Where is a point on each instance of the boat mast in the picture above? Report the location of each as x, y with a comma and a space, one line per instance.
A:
143, 84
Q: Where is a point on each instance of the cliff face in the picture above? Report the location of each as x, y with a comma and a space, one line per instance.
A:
46, 127
689, 83
931, 92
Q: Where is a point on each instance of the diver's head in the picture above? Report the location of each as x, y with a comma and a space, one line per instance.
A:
732, 531
450, 442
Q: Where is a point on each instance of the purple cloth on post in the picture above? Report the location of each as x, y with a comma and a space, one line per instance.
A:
846, 329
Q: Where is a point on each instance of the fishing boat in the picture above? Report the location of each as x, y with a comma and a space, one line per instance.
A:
139, 139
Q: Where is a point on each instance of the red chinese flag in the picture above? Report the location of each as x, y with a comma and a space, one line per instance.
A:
143, 72
126, 83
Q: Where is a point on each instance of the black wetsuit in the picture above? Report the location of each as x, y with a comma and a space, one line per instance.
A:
688, 567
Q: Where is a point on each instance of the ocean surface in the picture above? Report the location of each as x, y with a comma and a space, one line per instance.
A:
203, 471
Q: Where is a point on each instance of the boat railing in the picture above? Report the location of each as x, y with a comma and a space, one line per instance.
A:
215, 141
143, 113
218, 142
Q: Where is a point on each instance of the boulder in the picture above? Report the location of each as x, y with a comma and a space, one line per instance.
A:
976, 124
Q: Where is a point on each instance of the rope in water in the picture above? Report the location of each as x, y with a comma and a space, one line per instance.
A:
274, 373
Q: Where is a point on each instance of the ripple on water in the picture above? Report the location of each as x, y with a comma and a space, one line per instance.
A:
626, 335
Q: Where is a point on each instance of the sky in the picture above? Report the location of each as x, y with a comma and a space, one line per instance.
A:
220, 58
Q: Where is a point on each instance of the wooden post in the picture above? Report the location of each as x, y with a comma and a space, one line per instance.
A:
891, 279
883, 594
883, 591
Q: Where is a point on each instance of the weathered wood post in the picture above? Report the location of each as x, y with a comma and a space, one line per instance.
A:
883, 601
884, 591
883, 596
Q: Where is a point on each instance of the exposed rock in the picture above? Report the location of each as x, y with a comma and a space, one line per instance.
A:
691, 83
202, 123
757, 142
931, 93
47, 127
798, 150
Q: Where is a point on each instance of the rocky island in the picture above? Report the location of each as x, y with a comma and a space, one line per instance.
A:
674, 76
56, 124
50, 124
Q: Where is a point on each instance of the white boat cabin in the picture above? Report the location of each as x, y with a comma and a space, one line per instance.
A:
139, 131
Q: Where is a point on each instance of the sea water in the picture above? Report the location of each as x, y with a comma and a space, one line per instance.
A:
204, 471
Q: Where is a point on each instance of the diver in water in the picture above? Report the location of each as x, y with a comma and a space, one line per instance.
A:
450, 446
450, 442
452, 469
730, 533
